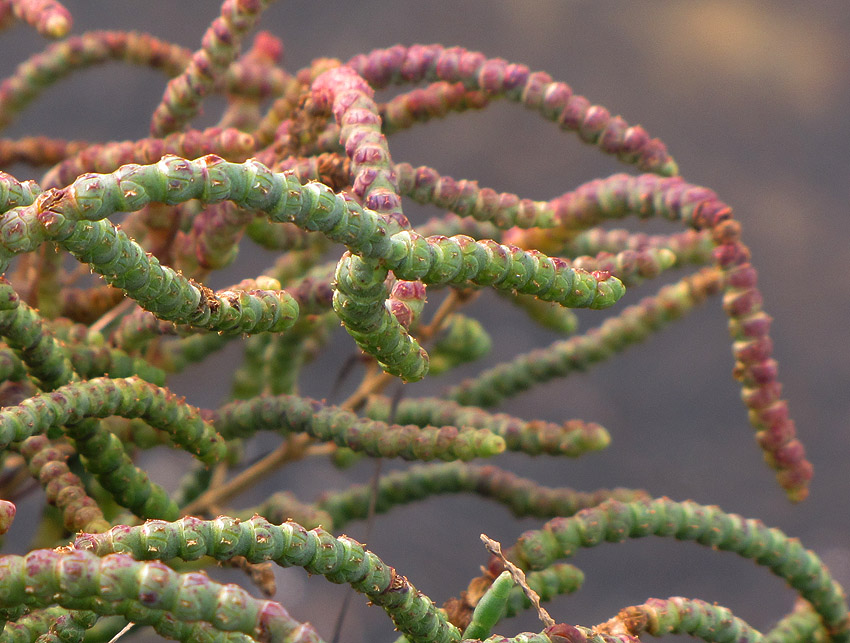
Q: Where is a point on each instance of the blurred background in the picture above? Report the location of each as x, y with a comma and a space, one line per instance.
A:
751, 99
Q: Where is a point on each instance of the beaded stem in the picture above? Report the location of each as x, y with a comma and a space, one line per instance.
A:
522, 496
572, 438
7, 515
648, 195
372, 178
46, 460
422, 104
633, 324
293, 414
547, 583
35, 625
49, 17
340, 560
25, 332
495, 78
228, 143
361, 290
219, 48
677, 615
144, 592
802, 625
60, 59
614, 521
563, 633
101, 397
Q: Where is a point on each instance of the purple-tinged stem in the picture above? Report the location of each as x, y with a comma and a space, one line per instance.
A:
49, 17
535, 90
219, 48
423, 104
372, 177
228, 143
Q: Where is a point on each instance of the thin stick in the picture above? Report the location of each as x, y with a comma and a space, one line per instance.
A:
519, 578
292, 449
111, 315
126, 629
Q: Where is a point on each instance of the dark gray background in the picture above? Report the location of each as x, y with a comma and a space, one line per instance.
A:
751, 99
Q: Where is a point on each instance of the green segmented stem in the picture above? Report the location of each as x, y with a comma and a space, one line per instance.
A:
577, 353
104, 454
535, 90
465, 340
90, 356
46, 460
37, 622
144, 592
14, 193
458, 261
802, 625
422, 104
290, 351
360, 280
615, 521
219, 48
677, 615
60, 59
101, 397
359, 300
524, 497
490, 608
293, 414
12, 369
170, 295
548, 314
96, 47
27, 335
563, 633
107, 157
461, 261
50, 625
572, 438
548, 583
340, 560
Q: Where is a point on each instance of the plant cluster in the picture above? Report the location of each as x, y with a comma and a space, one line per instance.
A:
300, 164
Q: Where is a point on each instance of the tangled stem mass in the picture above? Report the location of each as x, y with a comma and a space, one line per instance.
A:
300, 163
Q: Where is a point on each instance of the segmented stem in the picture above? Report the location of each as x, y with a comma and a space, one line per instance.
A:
101, 397
219, 48
340, 560
572, 438
536, 90
294, 414
615, 521
677, 615
144, 592
522, 496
